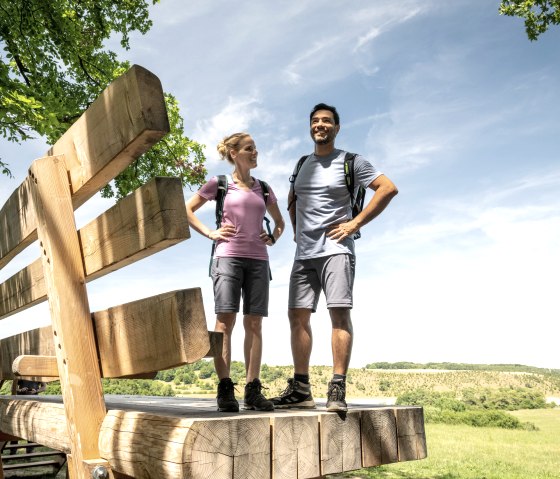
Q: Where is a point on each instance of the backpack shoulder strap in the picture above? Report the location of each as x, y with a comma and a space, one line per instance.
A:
349, 173
293, 179
298, 167
265, 190
220, 197
356, 203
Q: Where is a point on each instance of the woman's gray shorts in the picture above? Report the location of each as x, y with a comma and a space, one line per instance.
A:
333, 274
233, 277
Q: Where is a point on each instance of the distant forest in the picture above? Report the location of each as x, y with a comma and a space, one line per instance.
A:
512, 368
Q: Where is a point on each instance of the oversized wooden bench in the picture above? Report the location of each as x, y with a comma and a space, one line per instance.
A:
104, 437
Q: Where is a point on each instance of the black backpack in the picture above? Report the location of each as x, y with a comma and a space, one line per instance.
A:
357, 203
220, 198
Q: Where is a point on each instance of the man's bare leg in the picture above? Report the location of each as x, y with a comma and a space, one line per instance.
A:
301, 338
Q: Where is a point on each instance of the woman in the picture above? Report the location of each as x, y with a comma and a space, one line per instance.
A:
240, 265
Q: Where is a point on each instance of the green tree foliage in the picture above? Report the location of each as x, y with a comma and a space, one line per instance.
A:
538, 14
206, 370
269, 374
175, 155
479, 408
476, 418
138, 387
517, 368
53, 64
508, 399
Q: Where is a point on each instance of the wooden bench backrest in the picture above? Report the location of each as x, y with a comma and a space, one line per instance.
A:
126, 340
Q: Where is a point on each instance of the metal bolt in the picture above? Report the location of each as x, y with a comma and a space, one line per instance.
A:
100, 472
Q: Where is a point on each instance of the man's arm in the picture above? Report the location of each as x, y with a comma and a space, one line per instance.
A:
385, 191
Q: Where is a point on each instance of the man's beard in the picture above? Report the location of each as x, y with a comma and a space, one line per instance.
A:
323, 140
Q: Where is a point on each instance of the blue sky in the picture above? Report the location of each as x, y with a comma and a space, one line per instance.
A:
449, 99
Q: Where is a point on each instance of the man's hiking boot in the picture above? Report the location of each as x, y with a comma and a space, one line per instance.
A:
226, 396
296, 395
254, 398
336, 396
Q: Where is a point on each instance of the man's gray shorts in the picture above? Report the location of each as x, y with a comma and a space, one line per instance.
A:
235, 276
333, 274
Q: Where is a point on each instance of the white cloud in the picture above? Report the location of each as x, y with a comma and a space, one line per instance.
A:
237, 115
312, 58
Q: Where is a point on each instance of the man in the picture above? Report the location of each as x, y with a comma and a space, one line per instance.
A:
321, 215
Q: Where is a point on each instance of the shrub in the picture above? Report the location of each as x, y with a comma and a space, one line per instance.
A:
476, 418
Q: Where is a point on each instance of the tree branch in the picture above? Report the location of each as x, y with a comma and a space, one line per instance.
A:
86, 72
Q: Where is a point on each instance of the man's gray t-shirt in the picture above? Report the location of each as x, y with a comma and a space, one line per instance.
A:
323, 200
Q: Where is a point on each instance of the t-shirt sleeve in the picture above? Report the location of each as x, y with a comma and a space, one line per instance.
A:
271, 196
209, 190
364, 172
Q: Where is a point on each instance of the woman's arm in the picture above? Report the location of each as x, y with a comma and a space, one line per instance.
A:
223, 233
279, 225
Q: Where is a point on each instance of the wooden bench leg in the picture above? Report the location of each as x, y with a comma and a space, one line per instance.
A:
78, 365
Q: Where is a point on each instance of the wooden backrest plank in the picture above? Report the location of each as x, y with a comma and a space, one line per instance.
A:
145, 222
121, 124
136, 338
152, 334
24, 289
151, 219
124, 122
17, 224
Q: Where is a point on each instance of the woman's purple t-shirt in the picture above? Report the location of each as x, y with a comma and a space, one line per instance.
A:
244, 210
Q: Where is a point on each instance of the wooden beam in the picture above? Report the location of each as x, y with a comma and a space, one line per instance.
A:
180, 437
216, 343
78, 366
44, 366
143, 445
141, 224
151, 219
133, 339
379, 437
295, 448
8, 437
152, 334
35, 421
37, 342
341, 448
17, 224
124, 122
411, 436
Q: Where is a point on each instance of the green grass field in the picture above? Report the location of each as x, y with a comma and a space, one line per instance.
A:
464, 452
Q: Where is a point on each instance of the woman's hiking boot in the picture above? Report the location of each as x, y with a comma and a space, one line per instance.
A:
226, 396
336, 396
254, 398
296, 395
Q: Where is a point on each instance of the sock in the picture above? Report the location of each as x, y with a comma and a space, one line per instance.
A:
302, 378
339, 377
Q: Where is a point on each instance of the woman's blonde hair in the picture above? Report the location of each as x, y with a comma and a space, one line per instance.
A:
230, 143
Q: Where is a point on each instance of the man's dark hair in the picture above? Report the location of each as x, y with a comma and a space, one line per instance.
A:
324, 106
